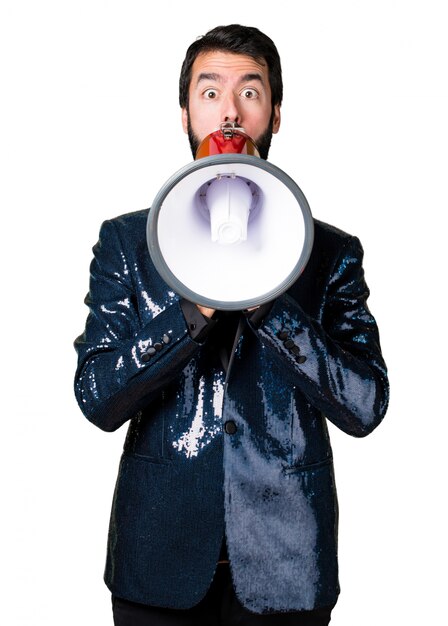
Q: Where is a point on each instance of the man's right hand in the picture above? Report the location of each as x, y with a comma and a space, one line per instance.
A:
206, 312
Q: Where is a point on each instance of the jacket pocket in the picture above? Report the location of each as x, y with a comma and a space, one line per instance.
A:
145, 436
309, 467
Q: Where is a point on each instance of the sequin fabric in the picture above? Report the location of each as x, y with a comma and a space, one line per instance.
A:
243, 452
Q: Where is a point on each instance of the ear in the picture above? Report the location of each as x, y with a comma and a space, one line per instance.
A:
185, 120
277, 119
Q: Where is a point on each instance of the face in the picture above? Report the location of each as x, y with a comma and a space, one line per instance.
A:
227, 87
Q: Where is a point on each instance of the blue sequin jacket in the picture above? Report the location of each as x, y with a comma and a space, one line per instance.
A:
247, 456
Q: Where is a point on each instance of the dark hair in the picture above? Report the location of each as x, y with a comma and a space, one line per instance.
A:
239, 40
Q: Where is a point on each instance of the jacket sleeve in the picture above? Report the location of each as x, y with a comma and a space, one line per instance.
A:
337, 362
123, 363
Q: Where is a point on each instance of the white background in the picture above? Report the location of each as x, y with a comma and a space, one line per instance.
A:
90, 128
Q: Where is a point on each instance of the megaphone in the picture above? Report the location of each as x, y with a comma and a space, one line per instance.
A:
230, 231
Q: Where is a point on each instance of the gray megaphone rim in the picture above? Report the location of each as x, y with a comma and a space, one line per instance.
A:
178, 286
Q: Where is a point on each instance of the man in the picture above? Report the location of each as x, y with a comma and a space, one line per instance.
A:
225, 507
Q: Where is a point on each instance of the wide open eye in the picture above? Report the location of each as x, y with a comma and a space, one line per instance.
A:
210, 94
249, 93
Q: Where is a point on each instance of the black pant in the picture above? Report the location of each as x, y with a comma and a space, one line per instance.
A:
220, 607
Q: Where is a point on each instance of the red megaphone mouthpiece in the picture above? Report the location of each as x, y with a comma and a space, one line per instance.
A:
229, 138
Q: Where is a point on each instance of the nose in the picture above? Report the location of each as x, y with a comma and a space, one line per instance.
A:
230, 111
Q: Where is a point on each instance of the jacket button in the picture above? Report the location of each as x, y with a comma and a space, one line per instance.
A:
301, 359
158, 346
151, 351
283, 335
289, 343
295, 350
145, 357
230, 427
166, 339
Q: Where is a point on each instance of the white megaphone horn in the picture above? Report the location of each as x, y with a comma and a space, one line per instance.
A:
230, 231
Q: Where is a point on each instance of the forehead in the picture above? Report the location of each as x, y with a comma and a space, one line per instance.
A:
228, 66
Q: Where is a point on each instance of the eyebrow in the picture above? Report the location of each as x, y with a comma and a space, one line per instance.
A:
217, 77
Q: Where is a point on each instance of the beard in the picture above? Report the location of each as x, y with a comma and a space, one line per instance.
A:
263, 142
